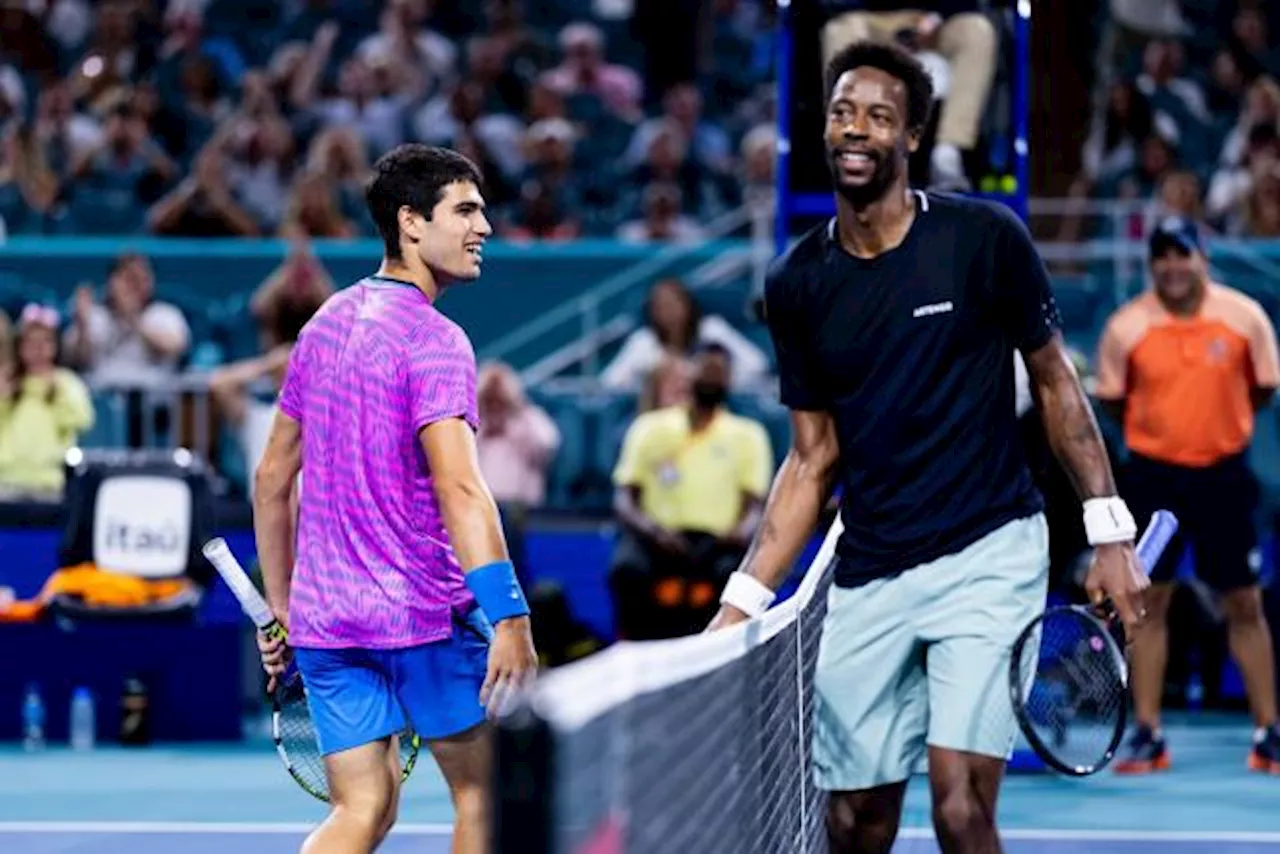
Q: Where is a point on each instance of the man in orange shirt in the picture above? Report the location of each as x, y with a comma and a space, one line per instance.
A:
1185, 366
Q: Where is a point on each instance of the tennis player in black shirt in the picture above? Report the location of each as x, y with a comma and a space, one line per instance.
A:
895, 326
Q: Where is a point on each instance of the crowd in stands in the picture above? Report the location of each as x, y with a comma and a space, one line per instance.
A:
260, 118
212, 118
1190, 119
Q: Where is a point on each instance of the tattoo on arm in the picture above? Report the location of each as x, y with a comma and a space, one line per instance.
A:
1069, 422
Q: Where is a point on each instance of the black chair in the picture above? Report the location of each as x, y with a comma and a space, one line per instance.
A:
139, 513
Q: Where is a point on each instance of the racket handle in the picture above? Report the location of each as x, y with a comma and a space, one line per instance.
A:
251, 601
1155, 539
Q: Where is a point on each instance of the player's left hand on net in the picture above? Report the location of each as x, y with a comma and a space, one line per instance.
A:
1116, 576
513, 662
275, 657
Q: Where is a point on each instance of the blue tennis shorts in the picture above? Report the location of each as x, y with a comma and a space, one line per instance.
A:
358, 696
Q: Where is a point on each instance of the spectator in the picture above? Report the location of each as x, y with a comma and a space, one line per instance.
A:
517, 440
1251, 41
339, 155
1164, 85
244, 392
28, 187
662, 219
259, 164
204, 204
404, 39
1262, 212
130, 338
1156, 158
379, 118
675, 326
759, 150
43, 411
1233, 185
65, 137
708, 144
689, 487
313, 210
957, 31
667, 161
516, 443
116, 182
584, 70
297, 288
445, 118
1178, 194
549, 154
1259, 112
540, 215
668, 384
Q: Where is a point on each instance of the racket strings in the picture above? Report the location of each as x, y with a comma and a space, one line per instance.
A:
295, 735
1076, 699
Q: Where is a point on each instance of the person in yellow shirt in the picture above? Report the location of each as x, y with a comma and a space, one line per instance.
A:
689, 486
43, 410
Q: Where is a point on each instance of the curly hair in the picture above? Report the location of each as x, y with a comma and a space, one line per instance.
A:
894, 61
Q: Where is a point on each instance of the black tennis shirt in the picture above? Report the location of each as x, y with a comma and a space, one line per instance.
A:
912, 353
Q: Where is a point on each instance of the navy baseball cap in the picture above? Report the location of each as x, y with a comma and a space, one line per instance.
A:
1175, 232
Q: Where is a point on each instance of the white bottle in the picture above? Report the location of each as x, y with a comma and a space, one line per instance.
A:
83, 720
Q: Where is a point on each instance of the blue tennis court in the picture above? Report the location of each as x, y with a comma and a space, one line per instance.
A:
200, 800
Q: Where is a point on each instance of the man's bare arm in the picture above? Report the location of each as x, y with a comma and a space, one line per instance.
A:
273, 511
475, 530
1069, 422
799, 493
469, 510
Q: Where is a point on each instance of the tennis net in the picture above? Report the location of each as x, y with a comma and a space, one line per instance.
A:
697, 744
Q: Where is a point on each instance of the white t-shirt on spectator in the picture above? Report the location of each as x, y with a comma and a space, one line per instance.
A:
642, 352
119, 355
254, 432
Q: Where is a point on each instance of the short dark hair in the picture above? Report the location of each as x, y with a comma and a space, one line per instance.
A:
413, 176
894, 61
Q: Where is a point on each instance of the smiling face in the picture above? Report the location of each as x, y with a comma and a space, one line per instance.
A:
450, 242
1179, 274
868, 141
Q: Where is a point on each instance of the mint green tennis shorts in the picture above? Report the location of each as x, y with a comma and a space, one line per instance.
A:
923, 659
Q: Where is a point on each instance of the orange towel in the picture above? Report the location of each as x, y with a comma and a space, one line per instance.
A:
97, 588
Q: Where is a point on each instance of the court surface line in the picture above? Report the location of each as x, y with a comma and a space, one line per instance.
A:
426, 829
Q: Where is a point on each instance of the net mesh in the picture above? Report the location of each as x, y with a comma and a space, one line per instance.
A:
693, 744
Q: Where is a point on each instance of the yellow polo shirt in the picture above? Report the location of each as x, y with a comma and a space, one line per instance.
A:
695, 482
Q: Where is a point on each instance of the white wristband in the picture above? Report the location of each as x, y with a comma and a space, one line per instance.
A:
747, 595
1108, 520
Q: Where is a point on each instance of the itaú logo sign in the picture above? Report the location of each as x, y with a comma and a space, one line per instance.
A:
142, 526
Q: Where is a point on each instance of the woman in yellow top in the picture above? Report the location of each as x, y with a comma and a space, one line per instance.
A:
43, 410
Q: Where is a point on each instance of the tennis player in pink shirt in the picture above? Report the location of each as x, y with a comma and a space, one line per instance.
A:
399, 595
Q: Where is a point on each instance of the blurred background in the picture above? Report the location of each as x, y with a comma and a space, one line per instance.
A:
180, 189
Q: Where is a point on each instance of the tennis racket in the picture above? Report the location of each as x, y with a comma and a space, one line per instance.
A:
1068, 677
291, 725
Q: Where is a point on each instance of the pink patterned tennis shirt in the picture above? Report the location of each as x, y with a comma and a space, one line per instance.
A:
374, 569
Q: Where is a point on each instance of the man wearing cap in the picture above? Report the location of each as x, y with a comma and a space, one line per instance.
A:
1185, 366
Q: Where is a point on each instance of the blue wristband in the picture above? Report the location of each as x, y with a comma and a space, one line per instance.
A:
497, 591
